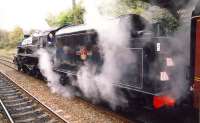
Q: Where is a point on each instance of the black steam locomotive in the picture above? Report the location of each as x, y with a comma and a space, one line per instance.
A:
147, 80
26, 59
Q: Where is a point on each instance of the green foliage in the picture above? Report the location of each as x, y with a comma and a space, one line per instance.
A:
3, 36
122, 7
168, 21
70, 16
10, 39
161, 15
16, 34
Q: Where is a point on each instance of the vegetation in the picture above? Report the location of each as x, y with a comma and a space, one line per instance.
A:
160, 15
130, 6
70, 16
169, 22
9, 40
75, 16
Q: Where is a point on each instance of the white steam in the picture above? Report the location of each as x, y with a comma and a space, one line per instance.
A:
113, 40
180, 43
53, 78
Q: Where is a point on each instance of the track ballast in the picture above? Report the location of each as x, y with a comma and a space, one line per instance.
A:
22, 107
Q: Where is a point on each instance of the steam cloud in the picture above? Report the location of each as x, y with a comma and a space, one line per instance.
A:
53, 78
113, 41
180, 43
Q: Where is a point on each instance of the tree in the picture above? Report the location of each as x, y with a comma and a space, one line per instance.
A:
3, 35
67, 17
15, 37
11, 39
168, 21
164, 16
121, 7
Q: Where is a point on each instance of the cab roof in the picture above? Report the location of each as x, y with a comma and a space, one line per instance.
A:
137, 19
74, 29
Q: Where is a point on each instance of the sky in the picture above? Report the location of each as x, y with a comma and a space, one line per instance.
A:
29, 14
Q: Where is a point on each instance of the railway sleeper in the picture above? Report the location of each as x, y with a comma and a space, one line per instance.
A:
10, 89
2, 84
10, 92
19, 104
16, 100
38, 119
12, 97
14, 111
5, 84
6, 88
26, 108
27, 114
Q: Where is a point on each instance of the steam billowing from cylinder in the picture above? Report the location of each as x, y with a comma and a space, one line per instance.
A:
53, 78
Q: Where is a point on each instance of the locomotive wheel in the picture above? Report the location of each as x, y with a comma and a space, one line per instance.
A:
64, 79
19, 67
33, 72
24, 69
38, 75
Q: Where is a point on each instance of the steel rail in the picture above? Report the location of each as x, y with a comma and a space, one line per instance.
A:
6, 112
36, 100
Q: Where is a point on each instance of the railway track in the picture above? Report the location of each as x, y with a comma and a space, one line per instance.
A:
21, 107
127, 118
7, 62
5, 114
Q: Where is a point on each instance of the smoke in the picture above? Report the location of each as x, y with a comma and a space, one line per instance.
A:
181, 45
113, 39
94, 82
53, 78
180, 53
